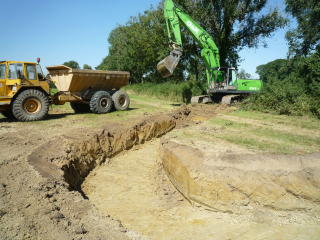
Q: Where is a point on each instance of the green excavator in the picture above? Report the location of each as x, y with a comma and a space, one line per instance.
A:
223, 84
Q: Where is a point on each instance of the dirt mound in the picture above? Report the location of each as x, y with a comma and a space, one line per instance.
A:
279, 182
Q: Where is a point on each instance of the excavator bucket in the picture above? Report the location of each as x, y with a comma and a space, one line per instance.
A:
167, 65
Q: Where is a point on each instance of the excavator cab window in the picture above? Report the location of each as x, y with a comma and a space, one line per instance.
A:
232, 77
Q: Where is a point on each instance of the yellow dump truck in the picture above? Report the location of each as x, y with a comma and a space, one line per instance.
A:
25, 92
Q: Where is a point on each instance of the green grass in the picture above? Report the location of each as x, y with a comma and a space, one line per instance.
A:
265, 139
266, 133
181, 92
64, 114
306, 122
54, 91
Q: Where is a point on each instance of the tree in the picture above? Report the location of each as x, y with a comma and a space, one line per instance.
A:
306, 37
72, 64
233, 25
244, 75
86, 66
275, 69
138, 46
142, 42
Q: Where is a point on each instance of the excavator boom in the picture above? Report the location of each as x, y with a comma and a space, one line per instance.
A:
222, 81
174, 15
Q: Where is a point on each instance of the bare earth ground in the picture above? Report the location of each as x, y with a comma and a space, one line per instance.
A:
146, 202
39, 207
130, 196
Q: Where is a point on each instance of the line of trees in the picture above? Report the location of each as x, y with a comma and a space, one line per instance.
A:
142, 42
75, 65
292, 85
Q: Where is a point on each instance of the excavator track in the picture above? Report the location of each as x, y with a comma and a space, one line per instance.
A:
230, 99
201, 99
227, 99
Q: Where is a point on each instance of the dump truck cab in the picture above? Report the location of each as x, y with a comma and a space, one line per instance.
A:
16, 77
24, 91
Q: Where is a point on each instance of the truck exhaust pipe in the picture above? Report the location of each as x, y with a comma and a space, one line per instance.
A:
166, 66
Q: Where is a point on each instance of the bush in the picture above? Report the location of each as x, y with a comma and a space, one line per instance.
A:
284, 97
295, 94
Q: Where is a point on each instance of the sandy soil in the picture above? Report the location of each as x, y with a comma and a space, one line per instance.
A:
35, 197
36, 207
134, 188
42, 195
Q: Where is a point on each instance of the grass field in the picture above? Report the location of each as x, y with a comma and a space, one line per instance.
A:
265, 133
64, 114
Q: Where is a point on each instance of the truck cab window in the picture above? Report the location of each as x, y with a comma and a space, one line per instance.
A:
31, 72
2, 71
13, 67
40, 73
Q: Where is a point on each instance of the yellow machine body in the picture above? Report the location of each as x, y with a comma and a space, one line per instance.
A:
11, 84
25, 92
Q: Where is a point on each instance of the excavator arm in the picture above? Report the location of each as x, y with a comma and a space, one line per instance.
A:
222, 81
175, 16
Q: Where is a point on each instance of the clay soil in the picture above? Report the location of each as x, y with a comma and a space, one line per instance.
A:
44, 168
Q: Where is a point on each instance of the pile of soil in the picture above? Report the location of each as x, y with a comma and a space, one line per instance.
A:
230, 181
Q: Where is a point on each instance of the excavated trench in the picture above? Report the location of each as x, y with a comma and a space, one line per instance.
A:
123, 175
84, 156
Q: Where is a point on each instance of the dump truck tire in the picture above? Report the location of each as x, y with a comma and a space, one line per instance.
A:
101, 102
30, 105
8, 114
80, 107
121, 100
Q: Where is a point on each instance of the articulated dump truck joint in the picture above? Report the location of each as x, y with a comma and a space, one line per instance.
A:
166, 66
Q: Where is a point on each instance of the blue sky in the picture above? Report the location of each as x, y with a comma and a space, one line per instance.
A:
59, 31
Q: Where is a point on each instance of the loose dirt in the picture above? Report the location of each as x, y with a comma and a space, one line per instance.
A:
54, 175
37, 185
134, 188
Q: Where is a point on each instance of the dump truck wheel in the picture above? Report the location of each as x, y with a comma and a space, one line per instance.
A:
30, 105
121, 100
80, 107
101, 102
7, 114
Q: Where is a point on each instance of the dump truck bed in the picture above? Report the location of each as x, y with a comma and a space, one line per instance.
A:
78, 80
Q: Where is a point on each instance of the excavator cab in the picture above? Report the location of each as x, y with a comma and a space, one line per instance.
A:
226, 78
